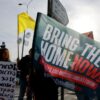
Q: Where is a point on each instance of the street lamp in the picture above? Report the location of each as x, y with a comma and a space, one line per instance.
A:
27, 5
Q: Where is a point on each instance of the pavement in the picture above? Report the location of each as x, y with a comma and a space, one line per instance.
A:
68, 95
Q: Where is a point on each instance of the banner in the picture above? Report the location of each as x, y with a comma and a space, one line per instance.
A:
7, 80
26, 27
66, 56
25, 22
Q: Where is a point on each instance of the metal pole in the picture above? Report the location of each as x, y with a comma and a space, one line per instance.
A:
24, 31
23, 44
27, 8
28, 5
62, 93
18, 45
18, 39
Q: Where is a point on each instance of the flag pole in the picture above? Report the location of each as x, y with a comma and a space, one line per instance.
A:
18, 40
23, 44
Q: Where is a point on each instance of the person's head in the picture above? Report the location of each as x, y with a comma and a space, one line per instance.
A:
30, 52
4, 54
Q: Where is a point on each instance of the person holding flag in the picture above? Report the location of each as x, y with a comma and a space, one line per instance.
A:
25, 22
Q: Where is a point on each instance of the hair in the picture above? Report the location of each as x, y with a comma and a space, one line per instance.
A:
3, 54
30, 52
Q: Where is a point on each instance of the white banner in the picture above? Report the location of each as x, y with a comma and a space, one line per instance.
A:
7, 80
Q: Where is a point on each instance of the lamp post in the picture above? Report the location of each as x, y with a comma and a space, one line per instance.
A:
27, 5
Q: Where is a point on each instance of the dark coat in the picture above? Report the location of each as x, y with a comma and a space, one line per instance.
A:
24, 66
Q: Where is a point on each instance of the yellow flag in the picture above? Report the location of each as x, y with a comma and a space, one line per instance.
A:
25, 22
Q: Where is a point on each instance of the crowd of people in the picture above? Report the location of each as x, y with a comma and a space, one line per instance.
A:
35, 86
